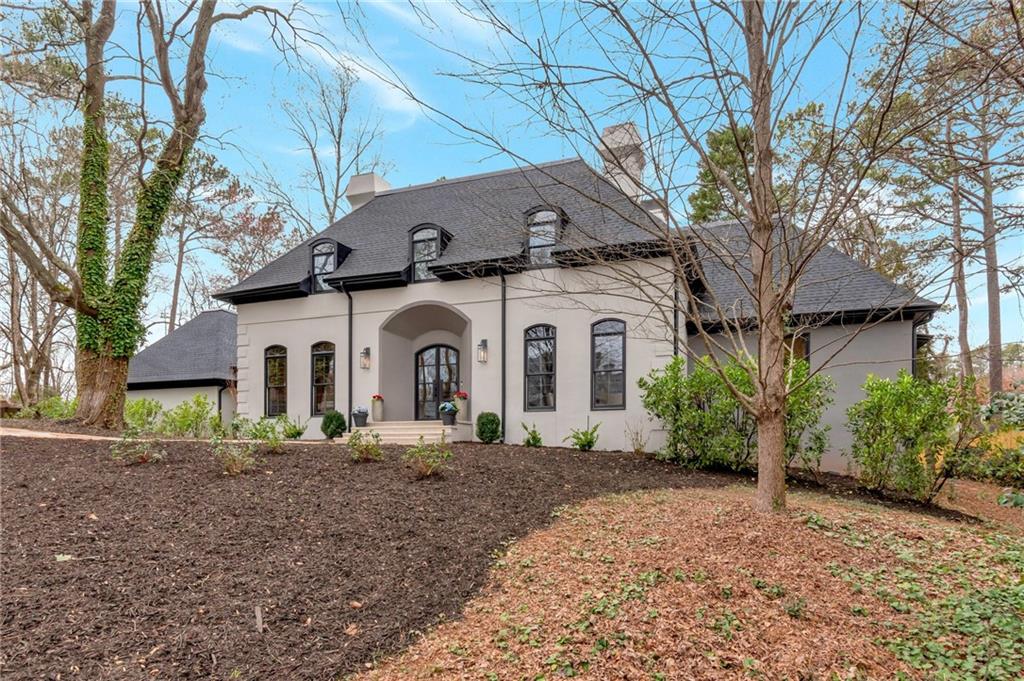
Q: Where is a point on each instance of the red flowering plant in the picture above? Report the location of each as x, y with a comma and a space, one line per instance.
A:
377, 397
461, 395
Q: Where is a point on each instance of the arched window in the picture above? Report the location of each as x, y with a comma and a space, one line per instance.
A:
539, 368
608, 364
426, 246
325, 261
322, 377
275, 380
543, 228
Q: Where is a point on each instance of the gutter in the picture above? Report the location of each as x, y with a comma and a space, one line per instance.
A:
348, 418
504, 300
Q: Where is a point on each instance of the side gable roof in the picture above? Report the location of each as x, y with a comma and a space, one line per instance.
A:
201, 350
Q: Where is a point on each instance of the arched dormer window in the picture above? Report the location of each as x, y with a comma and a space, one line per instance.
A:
426, 247
325, 261
543, 228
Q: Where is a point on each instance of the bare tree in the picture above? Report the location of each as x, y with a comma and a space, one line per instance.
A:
107, 299
332, 146
683, 71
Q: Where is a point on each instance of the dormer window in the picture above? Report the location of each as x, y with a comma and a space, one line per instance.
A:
426, 246
543, 228
325, 261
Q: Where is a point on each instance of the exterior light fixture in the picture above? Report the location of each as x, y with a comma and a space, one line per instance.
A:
481, 351
364, 358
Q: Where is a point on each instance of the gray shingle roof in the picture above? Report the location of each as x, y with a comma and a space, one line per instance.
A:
201, 349
485, 214
831, 282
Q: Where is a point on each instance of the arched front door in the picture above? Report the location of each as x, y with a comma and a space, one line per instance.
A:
437, 379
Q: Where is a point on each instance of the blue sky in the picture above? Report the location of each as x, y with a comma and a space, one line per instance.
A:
243, 106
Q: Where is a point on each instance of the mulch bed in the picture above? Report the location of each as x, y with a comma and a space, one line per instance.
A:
164, 570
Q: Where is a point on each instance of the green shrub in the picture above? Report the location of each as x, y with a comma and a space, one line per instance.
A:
1007, 408
292, 430
365, 446
333, 424
268, 432
707, 427
133, 449
235, 457
428, 460
532, 438
54, 408
193, 418
488, 427
238, 428
583, 439
142, 414
910, 435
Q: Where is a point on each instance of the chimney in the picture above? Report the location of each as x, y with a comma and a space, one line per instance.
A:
361, 188
623, 158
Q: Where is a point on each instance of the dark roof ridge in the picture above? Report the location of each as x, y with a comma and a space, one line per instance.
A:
479, 176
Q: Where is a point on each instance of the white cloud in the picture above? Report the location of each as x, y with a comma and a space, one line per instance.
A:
456, 22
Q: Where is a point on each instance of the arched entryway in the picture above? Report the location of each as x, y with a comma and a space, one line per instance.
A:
437, 379
425, 354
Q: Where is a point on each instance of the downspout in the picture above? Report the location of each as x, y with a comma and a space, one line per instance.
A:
220, 404
675, 317
504, 299
348, 418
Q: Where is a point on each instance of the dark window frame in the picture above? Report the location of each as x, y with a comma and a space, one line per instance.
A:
559, 223
332, 260
313, 354
593, 360
554, 366
267, 358
412, 250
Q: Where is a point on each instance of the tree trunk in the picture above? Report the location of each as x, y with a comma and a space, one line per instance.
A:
771, 460
995, 327
101, 389
959, 277
770, 386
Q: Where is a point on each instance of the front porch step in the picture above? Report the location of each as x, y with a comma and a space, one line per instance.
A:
408, 432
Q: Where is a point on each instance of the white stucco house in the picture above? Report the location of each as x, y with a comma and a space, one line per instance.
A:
197, 358
477, 284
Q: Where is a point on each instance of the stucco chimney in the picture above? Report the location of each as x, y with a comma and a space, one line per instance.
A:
361, 188
623, 156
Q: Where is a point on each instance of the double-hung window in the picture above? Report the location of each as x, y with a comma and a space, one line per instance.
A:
539, 368
322, 379
275, 380
608, 364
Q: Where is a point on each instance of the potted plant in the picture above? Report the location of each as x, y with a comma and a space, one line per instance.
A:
359, 415
448, 411
377, 404
461, 397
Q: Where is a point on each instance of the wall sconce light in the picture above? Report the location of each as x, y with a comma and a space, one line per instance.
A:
364, 358
481, 351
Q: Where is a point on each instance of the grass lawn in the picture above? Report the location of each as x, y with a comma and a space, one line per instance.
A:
316, 567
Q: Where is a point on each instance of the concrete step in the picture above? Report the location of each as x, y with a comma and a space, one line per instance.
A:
407, 432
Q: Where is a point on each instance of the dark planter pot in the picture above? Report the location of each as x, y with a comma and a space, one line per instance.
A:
448, 418
359, 420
